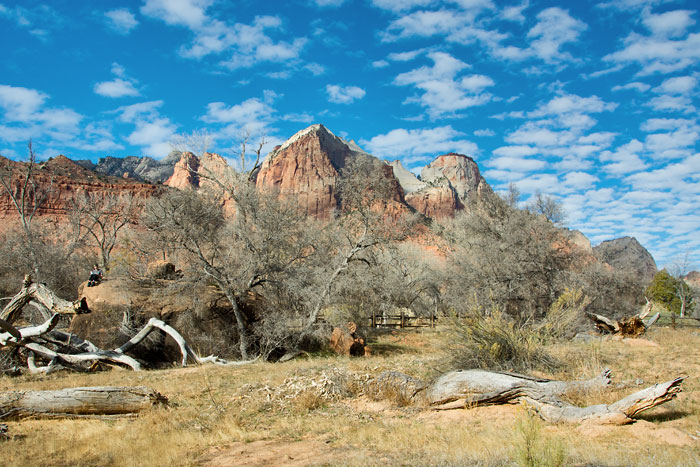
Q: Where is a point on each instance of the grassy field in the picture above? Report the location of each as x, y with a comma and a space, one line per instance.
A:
317, 411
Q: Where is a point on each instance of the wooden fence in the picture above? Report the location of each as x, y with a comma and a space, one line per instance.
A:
400, 321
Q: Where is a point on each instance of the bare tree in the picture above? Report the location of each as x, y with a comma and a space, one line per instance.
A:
28, 195
512, 196
680, 267
99, 217
363, 225
547, 206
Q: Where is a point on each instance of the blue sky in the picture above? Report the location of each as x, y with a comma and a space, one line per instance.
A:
592, 102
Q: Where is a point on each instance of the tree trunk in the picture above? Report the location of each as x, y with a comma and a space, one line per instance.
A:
463, 389
76, 402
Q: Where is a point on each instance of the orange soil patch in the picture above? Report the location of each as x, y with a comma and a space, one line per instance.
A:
270, 453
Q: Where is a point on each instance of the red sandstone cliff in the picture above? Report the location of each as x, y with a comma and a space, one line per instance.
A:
64, 181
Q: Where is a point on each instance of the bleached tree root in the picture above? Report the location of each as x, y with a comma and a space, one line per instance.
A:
78, 402
464, 389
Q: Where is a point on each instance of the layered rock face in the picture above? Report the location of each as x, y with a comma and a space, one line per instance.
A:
628, 255
64, 181
307, 168
448, 184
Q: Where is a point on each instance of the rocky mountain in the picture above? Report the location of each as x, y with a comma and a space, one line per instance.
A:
137, 168
627, 254
308, 166
448, 184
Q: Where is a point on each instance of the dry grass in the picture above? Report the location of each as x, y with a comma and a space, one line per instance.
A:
319, 402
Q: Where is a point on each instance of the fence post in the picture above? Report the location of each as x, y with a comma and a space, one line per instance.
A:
401, 319
673, 320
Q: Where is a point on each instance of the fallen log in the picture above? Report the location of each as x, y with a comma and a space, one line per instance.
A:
471, 388
78, 402
468, 384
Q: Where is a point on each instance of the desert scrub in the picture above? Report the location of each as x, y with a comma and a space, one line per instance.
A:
492, 341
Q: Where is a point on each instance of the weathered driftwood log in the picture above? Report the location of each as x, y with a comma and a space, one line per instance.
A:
463, 389
633, 326
78, 402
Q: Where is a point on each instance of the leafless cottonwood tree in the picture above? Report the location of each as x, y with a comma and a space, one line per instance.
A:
266, 245
97, 219
363, 224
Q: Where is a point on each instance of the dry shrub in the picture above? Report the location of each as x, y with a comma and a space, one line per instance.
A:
493, 341
565, 315
532, 448
395, 387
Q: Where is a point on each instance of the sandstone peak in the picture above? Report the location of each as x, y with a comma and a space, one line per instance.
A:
628, 255
307, 166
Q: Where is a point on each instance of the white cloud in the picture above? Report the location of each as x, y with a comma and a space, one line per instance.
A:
677, 85
400, 5
516, 151
625, 159
579, 180
344, 95
655, 54
515, 12
669, 24
517, 164
20, 104
316, 69
121, 86
554, 28
419, 144
380, 64
656, 124
666, 103
245, 45
190, 13
443, 93
329, 3
253, 115
116, 88
121, 20
484, 132
666, 145
405, 56
153, 136
636, 86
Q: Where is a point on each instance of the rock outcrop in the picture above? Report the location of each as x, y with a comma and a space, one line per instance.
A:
409, 182
137, 168
628, 255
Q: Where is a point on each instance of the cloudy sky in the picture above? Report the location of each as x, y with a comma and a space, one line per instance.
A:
594, 103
